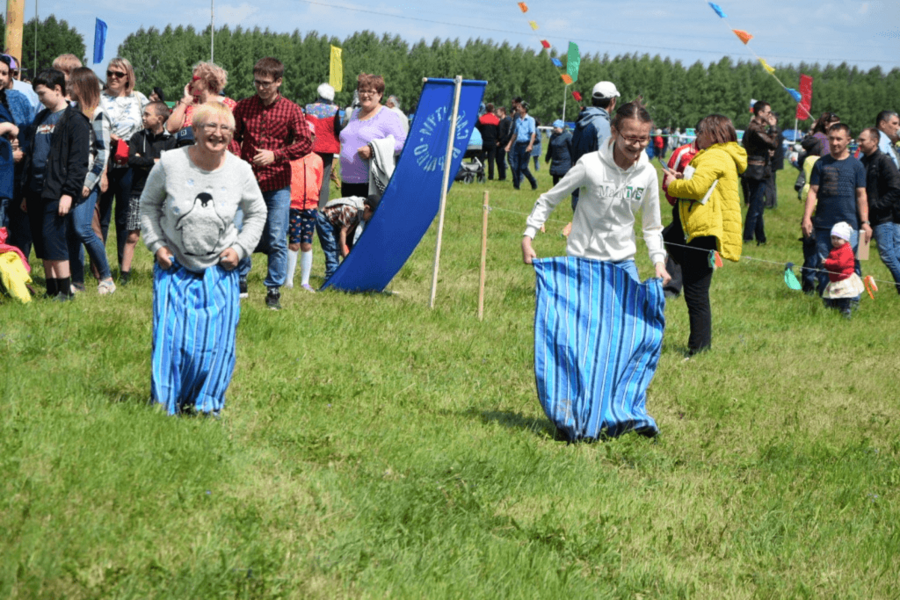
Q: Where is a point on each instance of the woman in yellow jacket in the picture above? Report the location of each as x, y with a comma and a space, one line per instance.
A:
710, 209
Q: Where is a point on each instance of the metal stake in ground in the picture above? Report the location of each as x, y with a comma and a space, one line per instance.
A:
487, 209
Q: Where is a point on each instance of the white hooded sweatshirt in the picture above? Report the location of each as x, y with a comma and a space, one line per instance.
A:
603, 225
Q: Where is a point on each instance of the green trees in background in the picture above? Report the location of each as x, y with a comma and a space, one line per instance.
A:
53, 38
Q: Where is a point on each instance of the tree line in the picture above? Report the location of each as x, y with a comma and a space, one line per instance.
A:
676, 94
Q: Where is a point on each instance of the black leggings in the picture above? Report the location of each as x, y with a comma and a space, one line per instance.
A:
697, 277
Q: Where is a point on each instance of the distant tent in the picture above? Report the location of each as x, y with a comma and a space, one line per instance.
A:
413, 196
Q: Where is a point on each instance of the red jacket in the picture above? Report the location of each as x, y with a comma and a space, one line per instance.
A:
840, 263
326, 119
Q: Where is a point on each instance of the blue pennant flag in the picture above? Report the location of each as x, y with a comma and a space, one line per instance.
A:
556, 63
795, 94
718, 10
99, 40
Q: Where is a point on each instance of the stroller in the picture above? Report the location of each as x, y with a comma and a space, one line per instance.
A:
470, 172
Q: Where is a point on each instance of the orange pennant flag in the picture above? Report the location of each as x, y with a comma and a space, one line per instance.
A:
533, 25
523, 6
742, 35
566, 79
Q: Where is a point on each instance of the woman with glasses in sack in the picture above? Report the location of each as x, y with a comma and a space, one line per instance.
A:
123, 105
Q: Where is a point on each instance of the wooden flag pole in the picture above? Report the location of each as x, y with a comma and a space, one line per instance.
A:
445, 184
484, 224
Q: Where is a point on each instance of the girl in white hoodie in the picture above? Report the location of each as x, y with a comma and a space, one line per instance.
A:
618, 180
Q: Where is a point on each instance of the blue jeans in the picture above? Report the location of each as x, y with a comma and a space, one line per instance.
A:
325, 231
274, 238
754, 223
520, 151
888, 237
4, 220
80, 232
824, 247
810, 262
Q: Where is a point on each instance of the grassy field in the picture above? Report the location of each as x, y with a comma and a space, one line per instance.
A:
371, 447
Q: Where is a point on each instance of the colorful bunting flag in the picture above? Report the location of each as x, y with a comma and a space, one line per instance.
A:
752, 103
715, 261
790, 279
533, 25
523, 6
766, 66
742, 35
871, 288
336, 78
794, 94
577, 96
566, 79
556, 63
573, 61
545, 44
718, 10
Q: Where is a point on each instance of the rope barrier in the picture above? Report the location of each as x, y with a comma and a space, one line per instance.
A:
781, 265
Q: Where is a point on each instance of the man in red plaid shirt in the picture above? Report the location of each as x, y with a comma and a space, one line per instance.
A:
272, 132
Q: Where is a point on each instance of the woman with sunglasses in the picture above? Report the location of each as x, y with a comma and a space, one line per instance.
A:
123, 105
188, 210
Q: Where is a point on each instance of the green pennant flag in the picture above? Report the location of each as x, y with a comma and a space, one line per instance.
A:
573, 61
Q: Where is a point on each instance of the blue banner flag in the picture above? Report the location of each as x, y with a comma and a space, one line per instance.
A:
597, 342
413, 196
556, 63
718, 10
100, 28
794, 94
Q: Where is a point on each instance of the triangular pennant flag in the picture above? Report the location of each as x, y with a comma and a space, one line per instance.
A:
545, 43
577, 96
718, 10
789, 278
533, 25
523, 6
715, 261
794, 94
556, 63
870, 286
742, 35
766, 65
566, 79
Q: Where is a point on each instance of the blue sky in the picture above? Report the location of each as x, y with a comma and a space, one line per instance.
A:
864, 33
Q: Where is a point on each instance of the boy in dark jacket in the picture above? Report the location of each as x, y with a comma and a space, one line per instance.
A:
144, 149
883, 195
54, 176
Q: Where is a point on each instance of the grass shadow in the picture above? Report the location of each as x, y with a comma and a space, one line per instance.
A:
515, 420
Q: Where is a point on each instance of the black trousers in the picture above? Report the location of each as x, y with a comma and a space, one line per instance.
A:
674, 234
771, 193
501, 163
697, 276
488, 156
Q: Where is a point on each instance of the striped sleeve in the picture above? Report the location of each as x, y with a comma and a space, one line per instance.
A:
101, 127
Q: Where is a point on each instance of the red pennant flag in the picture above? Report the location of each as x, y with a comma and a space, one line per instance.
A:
545, 43
566, 79
523, 6
805, 104
577, 96
742, 35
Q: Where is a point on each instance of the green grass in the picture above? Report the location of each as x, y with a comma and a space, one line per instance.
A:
371, 447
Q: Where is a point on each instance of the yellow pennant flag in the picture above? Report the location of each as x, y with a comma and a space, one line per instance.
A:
523, 7
337, 70
766, 65
742, 35
533, 25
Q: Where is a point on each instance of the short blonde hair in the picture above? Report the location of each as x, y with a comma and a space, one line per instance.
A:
67, 63
124, 63
214, 76
205, 113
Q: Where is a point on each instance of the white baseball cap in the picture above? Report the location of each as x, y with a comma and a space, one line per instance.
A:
605, 89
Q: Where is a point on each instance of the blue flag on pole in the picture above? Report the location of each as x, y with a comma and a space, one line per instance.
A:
597, 342
413, 196
100, 28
